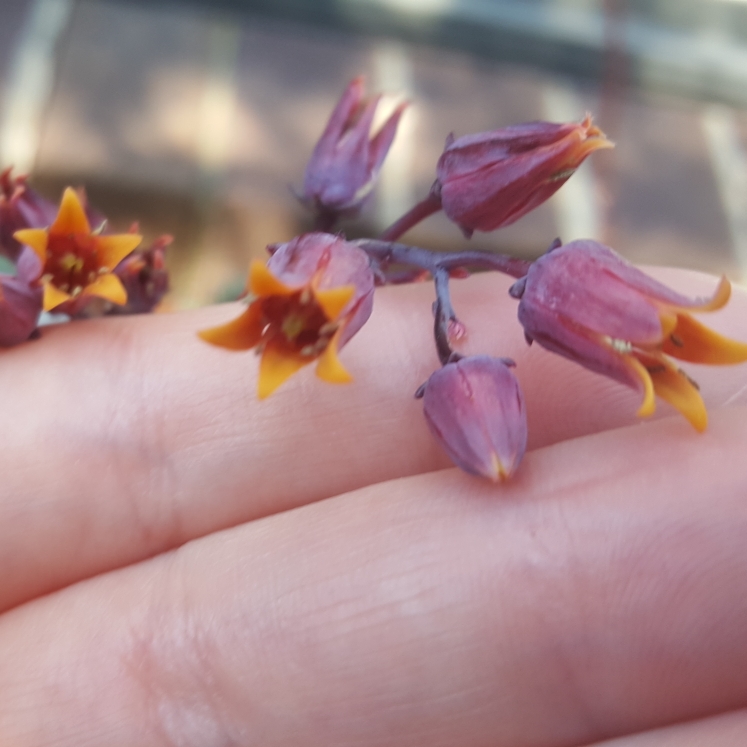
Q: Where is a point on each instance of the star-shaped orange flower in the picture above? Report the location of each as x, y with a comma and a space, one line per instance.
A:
77, 262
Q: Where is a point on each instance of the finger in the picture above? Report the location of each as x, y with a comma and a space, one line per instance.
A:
602, 593
728, 730
124, 438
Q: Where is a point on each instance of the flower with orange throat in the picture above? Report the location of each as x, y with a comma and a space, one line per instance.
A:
310, 298
585, 302
77, 263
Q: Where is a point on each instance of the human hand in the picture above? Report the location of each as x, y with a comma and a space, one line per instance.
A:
334, 583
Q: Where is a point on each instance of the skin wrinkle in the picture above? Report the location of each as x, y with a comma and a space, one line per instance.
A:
199, 444
483, 539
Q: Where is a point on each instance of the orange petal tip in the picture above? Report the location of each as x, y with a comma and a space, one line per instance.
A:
334, 300
263, 283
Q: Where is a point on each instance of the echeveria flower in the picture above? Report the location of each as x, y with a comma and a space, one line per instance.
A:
475, 410
343, 168
490, 180
20, 300
585, 302
77, 264
311, 297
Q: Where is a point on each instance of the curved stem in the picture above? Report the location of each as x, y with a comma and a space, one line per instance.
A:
431, 204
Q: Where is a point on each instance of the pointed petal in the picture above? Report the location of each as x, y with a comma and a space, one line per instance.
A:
382, 140
71, 217
242, 333
113, 249
36, 238
334, 300
107, 286
263, 283
277, 365
53, 297
343, 111
648, 405
329, 368
694, 342
718, 300
675, 388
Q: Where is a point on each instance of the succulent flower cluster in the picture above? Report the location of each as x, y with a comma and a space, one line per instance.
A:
580, 300
68, 262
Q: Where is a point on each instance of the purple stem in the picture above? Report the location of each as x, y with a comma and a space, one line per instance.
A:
426, 207
387, 252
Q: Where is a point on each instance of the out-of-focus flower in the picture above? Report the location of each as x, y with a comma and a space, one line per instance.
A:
490, 180
343, 168
585, 302
20, 207
20, 300
475, 409
77, 264
311, 297
145, 278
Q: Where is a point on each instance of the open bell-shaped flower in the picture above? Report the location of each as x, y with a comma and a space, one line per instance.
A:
343, 168
77, 263
492, 179
586, 303
311, 297
475, 409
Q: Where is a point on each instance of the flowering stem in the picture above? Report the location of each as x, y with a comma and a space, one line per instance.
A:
446, 326
426, 207
385, 253
445, 319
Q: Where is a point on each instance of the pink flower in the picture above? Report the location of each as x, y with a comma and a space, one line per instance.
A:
475, 410
345, 163
311, 297
588, 304
490, 180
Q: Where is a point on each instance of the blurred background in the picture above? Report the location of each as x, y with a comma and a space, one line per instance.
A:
198, 117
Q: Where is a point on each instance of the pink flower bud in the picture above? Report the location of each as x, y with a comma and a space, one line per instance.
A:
311, 297
20, 300
490, 180
475, 410
586, 303
346, 161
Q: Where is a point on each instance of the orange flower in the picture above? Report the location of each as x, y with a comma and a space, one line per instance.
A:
311, 297
586, 303
76, 262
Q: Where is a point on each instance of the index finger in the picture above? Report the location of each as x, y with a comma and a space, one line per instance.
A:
123, 438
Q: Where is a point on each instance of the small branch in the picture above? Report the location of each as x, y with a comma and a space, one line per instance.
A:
388, 252
444, 318
412, 217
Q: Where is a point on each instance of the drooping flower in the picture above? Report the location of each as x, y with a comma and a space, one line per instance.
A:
492, 179
475, 409
311, 297
20, 300
585, 302
77, 264
343, 168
